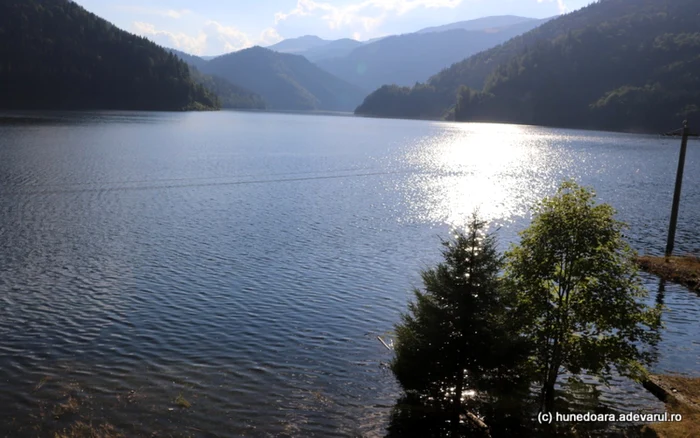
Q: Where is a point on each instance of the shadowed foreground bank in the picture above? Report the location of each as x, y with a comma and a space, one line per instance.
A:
682, 396
683, 270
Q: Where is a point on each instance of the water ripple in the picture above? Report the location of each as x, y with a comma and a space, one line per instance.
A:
147, 256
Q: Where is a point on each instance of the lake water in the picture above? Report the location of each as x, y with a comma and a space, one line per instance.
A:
247, 261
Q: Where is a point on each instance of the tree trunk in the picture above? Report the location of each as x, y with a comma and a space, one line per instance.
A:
457, 403
549, 397
548, 389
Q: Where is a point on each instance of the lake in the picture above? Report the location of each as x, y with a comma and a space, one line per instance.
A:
247, 261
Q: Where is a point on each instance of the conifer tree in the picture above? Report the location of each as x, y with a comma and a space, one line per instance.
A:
455, 336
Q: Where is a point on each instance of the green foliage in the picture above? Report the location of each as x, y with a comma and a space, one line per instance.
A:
579, 293
420, 101
615, 64
469, 102
456, 335
56, 55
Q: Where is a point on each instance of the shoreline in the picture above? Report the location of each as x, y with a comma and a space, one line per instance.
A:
684, 270
681, 395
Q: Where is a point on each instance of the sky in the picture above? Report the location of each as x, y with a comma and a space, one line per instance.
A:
215, 27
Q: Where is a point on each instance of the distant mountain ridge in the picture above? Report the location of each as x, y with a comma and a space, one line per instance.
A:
615, 64
495, 22
285, 81
410, 58
230, 95
56, 55
314, 48
299, 44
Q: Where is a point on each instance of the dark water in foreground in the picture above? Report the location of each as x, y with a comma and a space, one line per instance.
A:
247, 261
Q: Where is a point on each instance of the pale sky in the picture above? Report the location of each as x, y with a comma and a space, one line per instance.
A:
214, 27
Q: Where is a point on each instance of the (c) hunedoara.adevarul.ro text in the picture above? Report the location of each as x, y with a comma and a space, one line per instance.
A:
549, 417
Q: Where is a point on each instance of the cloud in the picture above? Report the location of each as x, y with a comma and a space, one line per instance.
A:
178, 40
269, 36
227, 38
560, 3
170, 13
367, 14
212, 38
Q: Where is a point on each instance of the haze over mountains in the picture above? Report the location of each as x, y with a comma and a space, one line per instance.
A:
285, 81
344, 71
314, 48
406, 59
410, 58
74, 59
616, 64
497, 22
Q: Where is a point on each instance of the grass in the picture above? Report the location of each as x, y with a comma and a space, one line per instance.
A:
182, 402
41, 383
684, 270
85, 430
71, 406
689, 391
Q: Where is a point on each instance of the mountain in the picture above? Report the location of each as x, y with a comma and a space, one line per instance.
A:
616, 64
192, 60
314, 48
285, 81
334, 49
298, 45
496, 22
410, 58
230, 95
56, 55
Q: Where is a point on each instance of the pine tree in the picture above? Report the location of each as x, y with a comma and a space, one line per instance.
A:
454, 337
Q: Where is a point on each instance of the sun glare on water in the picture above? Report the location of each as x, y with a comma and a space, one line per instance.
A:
493, 168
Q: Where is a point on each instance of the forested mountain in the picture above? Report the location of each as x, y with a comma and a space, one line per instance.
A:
285, 81
616, 64
495, 22
192, 60
410, 58
230, 95
56, 55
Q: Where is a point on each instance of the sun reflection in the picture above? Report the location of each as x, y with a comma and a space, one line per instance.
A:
498, 169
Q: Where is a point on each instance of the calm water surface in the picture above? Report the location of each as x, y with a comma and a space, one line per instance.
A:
248, 261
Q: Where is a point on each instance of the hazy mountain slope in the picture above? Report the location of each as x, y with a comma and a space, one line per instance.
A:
495, 22
314, 48
56, 55
193, 60
334, 49
299, 45
616, 64
407, 59
285, 81
230, 95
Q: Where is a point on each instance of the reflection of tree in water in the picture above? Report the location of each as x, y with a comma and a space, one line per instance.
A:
515, 417
508, 417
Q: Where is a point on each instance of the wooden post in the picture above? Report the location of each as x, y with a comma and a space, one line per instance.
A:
677, 193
